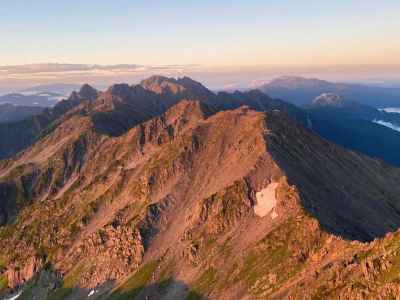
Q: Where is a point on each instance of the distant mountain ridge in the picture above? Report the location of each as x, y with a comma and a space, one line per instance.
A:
16, 136
301, 91
63, 89
39, 99
15, 113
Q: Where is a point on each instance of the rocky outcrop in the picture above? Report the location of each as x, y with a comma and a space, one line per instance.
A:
17, 275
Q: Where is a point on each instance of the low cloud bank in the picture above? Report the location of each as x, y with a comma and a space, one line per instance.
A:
387, 124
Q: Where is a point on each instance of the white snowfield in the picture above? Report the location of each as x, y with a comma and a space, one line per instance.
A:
266, 201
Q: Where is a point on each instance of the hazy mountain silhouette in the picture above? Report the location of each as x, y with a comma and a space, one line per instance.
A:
301, 91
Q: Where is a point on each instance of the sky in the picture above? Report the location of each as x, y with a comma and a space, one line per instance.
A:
224, 43
208, 33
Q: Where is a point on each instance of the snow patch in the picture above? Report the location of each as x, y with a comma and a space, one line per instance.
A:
266, 201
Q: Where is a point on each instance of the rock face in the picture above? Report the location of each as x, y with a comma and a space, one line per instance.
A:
16, 276
168, 208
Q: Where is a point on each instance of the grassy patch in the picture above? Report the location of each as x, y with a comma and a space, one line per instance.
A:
203, 284
3, 283
7, 232
392, 274
167, 271
272, 262
27, 291
132, 287
258, 262
70, 281
3, 262
194, 296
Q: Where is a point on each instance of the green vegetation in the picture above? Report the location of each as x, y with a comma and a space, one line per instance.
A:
166, 273
203, 285
194, 296
132, 287
272, 262
70, 281
3, 262
392, 274
27, 291
257, 263
171, 152
6, 232
3, 283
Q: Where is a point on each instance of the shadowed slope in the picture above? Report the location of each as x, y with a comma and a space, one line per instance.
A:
348, 193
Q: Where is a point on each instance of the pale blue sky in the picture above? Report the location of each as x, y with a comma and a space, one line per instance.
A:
224, 32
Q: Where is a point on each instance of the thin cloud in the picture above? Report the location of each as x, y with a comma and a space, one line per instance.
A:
82, 68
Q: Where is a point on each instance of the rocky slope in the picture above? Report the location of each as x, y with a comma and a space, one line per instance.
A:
192, 204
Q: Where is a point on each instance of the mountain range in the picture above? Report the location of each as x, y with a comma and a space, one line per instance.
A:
122, 106
15, 113
38, 96
63, 89
165, 190
38, 99
301, 91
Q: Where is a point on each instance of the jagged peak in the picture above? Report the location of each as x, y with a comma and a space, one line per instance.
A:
188, 82
157, 79
160, 85
120, 89
88, 92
